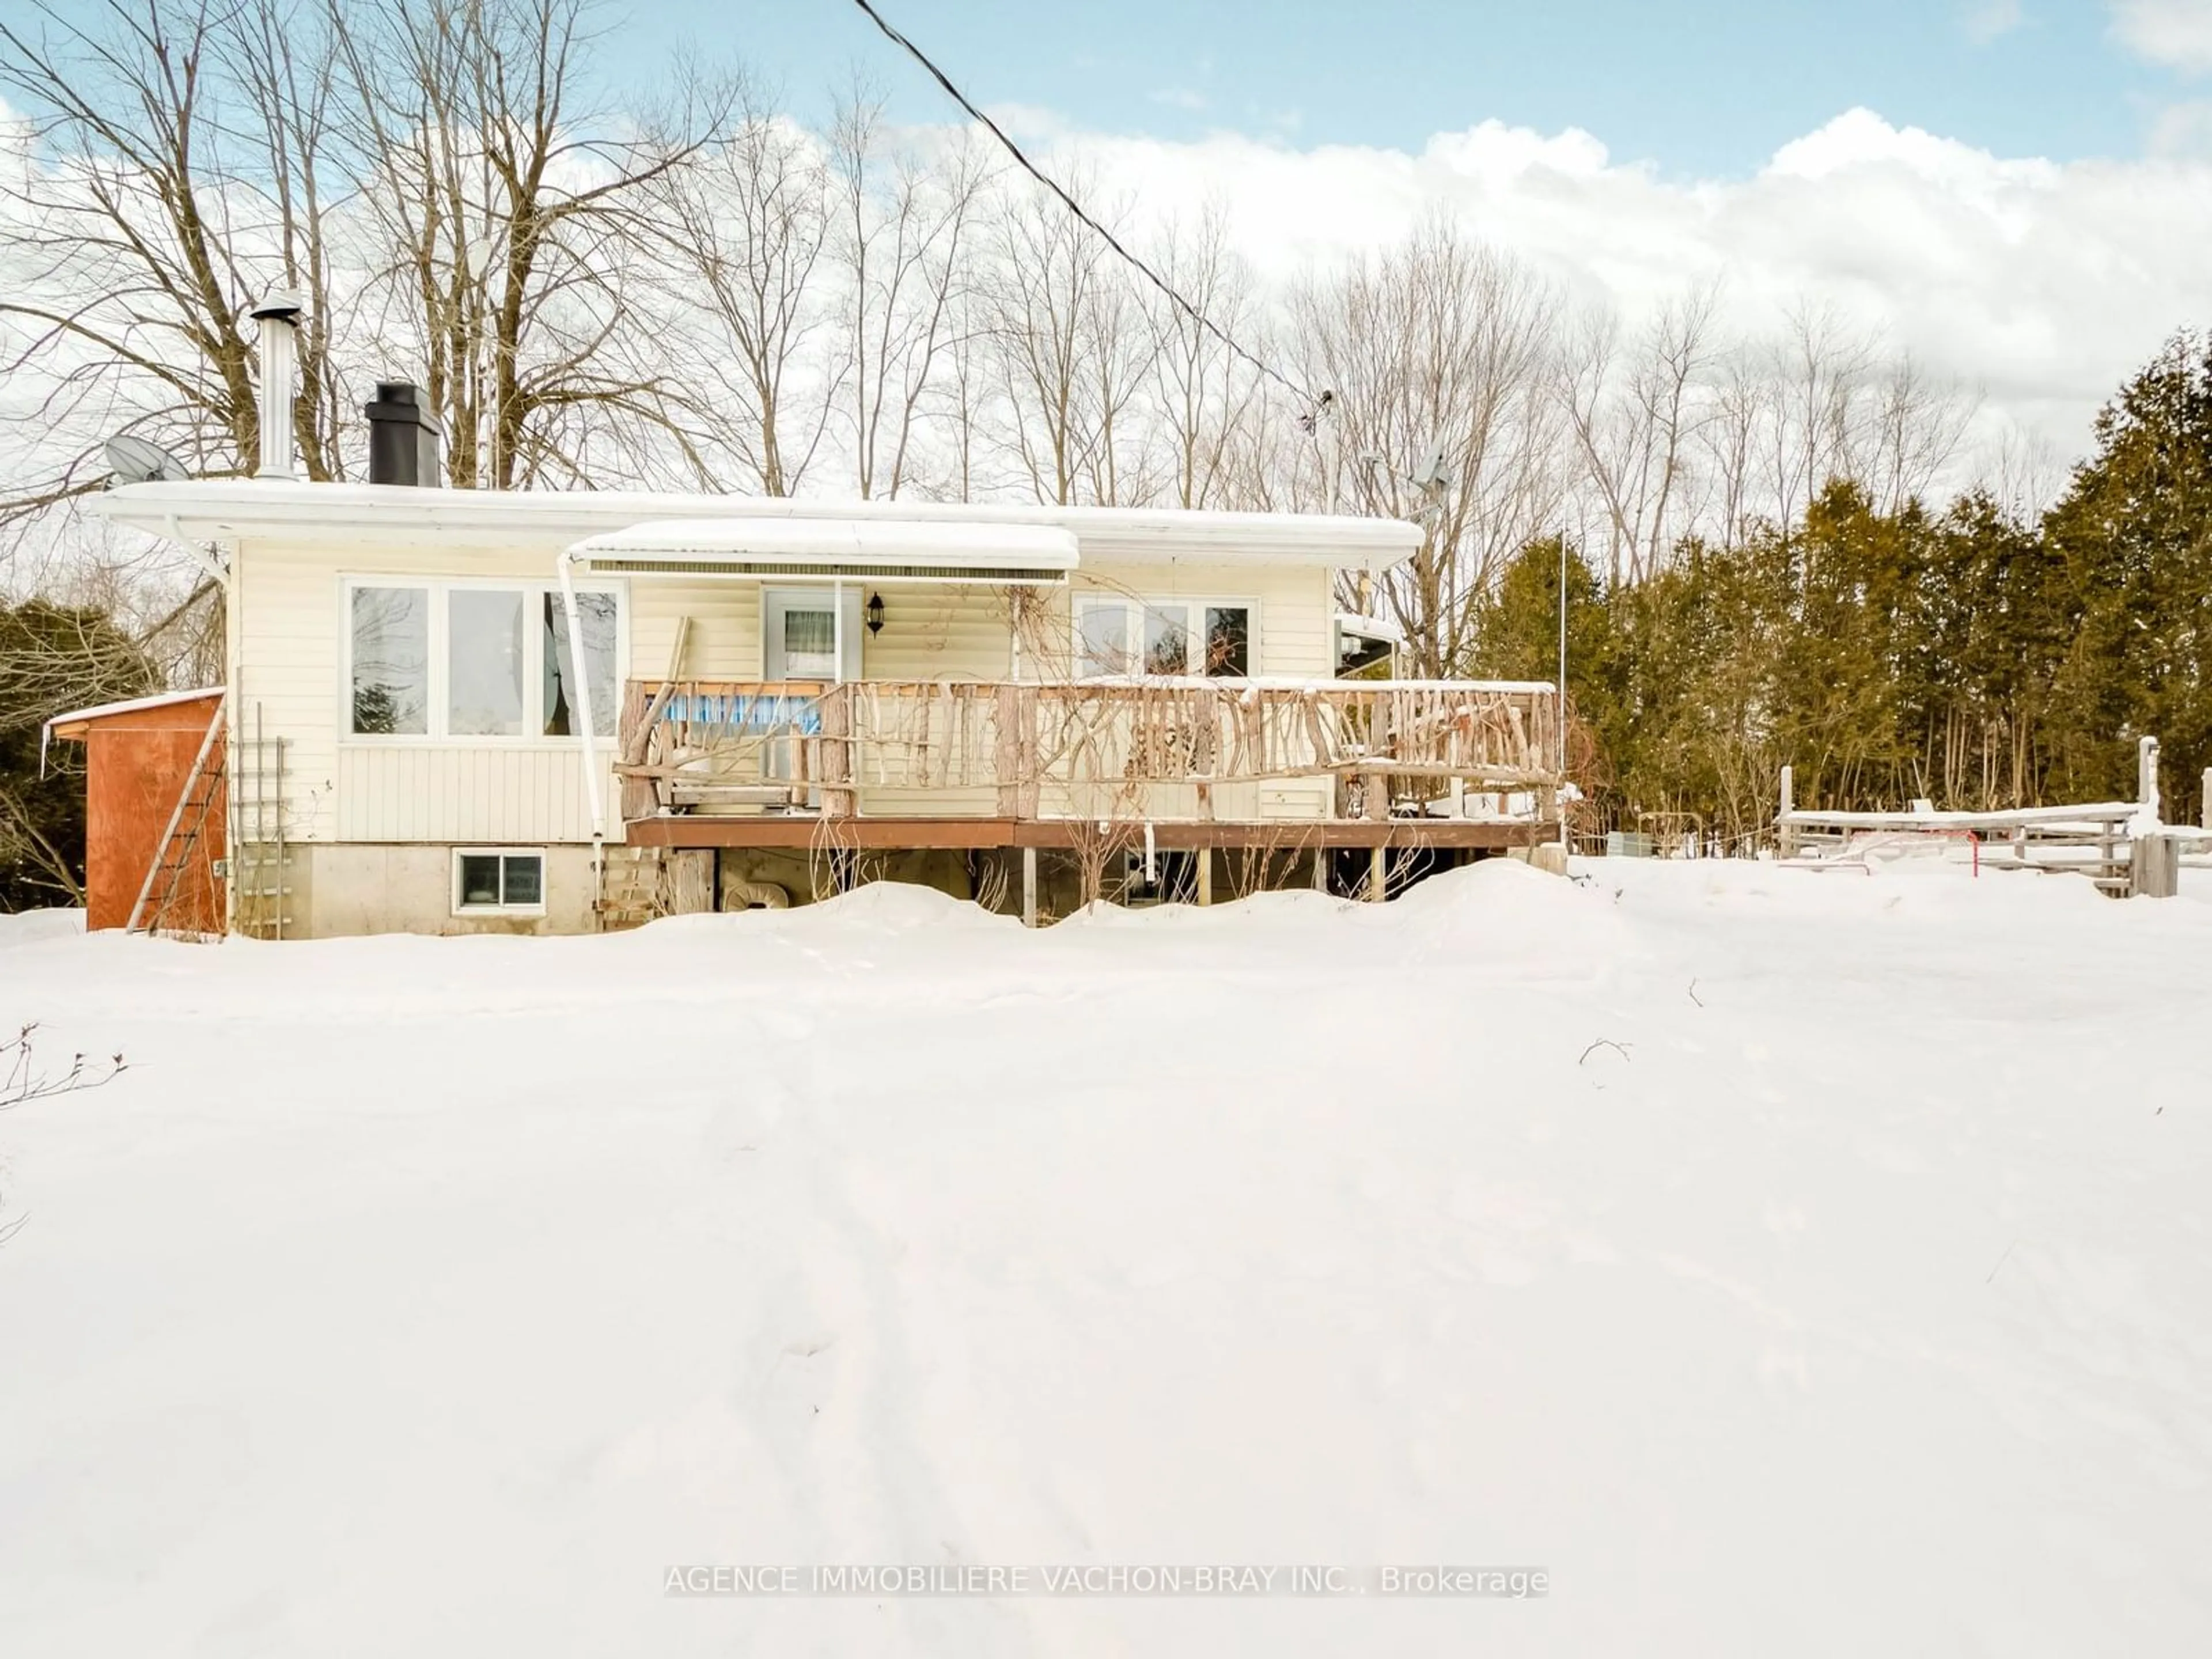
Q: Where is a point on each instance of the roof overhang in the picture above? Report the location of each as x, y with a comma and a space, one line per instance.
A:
280, 515
75, 723
858, 549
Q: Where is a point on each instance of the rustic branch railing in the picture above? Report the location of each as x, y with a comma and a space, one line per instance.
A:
1134, 748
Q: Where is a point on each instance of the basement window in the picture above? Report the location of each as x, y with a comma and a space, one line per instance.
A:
492, 880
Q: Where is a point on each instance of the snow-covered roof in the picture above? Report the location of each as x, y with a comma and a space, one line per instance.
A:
239, 509
128, 705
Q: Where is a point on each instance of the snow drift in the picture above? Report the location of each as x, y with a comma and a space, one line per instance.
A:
1787, 1264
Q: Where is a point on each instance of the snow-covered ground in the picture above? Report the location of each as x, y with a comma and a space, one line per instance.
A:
1790, 1264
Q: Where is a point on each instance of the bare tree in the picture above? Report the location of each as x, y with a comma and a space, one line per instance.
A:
1634, 427
1068, 355
1120, 347
2024, 472
902, 244
1441, 350
1912, 430
1819, 402
746, 232
956, 403
143, 227
56, 656
25, 845
1730, 442
508, 204
1815, 371
284, 62
1208, 400
22, 1082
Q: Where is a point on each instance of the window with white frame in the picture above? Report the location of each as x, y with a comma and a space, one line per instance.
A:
1119, 636
475, 659
498, 880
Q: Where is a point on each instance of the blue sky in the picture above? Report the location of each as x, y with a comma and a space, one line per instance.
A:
1700, 87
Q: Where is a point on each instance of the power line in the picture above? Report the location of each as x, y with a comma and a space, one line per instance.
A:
1075, 207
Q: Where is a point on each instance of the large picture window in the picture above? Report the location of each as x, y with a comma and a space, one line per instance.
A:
483, 662
599, 616
391, 660
1115, 635
467, 659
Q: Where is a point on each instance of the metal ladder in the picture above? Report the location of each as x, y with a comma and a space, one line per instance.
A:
260, 867
185, 833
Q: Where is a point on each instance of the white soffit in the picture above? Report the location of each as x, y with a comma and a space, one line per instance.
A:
355, 516
865, 550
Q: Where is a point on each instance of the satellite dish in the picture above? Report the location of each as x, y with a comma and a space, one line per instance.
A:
140, 460
1434, 472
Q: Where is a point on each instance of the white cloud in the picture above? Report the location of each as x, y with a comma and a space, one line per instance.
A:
1991, 20
2046, 282
2183, 131
1180, 98
1027, 121
2175, 33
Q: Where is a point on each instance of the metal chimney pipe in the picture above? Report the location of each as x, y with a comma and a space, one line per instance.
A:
277, 314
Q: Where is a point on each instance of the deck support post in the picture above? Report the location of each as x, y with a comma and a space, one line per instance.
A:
1029, 886
1204, 856
1378, 866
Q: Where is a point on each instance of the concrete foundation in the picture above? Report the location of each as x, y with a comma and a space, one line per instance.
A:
339, 889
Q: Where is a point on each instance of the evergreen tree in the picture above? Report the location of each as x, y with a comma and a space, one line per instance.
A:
2134, 534
54, 658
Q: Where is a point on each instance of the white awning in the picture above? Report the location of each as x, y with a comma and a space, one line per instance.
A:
859, 550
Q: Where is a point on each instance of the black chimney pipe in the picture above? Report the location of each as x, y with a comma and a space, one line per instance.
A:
403, 439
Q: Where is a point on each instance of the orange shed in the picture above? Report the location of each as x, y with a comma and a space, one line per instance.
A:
140, 791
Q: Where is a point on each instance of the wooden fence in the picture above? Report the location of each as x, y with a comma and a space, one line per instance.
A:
2121, 846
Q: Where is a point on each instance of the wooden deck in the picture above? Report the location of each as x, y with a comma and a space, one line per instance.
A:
802, 832
974, 764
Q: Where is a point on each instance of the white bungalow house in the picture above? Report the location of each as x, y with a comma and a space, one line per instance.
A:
1029, 705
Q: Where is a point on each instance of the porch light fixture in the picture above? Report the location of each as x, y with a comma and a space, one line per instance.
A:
875, 613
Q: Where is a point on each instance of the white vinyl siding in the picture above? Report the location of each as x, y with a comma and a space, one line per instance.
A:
940, 633
291, 637
290, 640
447, 792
